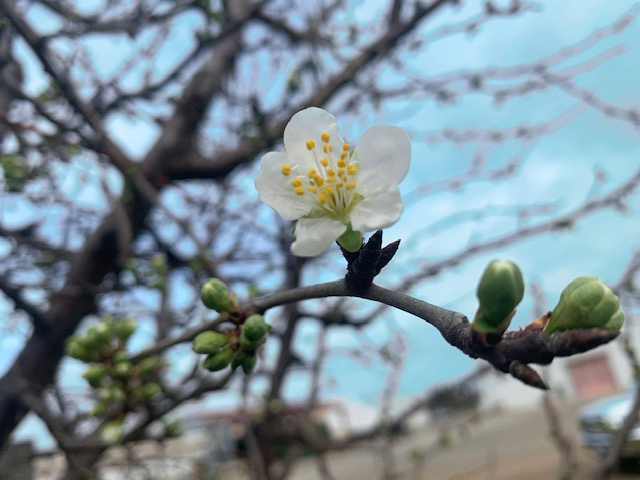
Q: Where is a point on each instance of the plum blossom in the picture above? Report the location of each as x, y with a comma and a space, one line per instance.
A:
334, 192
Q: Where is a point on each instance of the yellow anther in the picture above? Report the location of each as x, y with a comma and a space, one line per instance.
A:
310, 144
312, 189
330, 172
312, 173
327, 189
296, 182
325, 137
319, 181
345, 147
351, 185
286, 170
344, 155
341, 172
327, 148
299, 190
324, 162
352, 170
322, 198
331, 179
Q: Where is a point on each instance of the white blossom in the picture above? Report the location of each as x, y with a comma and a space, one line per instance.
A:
334, 192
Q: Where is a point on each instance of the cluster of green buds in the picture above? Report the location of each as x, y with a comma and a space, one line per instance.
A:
499, 292
586, 303
119, 385
235, 347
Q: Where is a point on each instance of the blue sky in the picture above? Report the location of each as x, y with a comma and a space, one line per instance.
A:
557, 170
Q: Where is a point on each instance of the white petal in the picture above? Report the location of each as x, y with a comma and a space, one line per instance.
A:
275, 189
315, 235
310, 124
377, 210
383, 156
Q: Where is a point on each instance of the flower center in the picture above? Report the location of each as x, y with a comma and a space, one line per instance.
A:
332, 184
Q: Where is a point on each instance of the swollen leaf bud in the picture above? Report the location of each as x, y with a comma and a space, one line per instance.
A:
94, 375
215, 295
499, 292
219, 360
586, 303
255, 328
209, 342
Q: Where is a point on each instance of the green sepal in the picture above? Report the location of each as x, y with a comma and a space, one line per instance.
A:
350, 240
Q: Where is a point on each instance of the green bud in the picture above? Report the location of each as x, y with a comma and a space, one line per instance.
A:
124, 328
150, 390
248, 362
255, 328
209, 342
97, 337
94, 375
98, 409
251, 345
112, 395
120, 356
215, 295
150, 365
219, 360
499, 291
113, 432
586, 303
77, 350
122, 370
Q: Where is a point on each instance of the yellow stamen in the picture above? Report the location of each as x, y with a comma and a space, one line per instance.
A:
330, 172
351, 185
324, 162
286, 170
310, 144
345, 147
341, 172
322, 198
328, 189
296, 182
327, 148
342, 163
319, 181
312, 173
343, 155
331, 179
352, 170
299, 190
325, 137
312, 189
